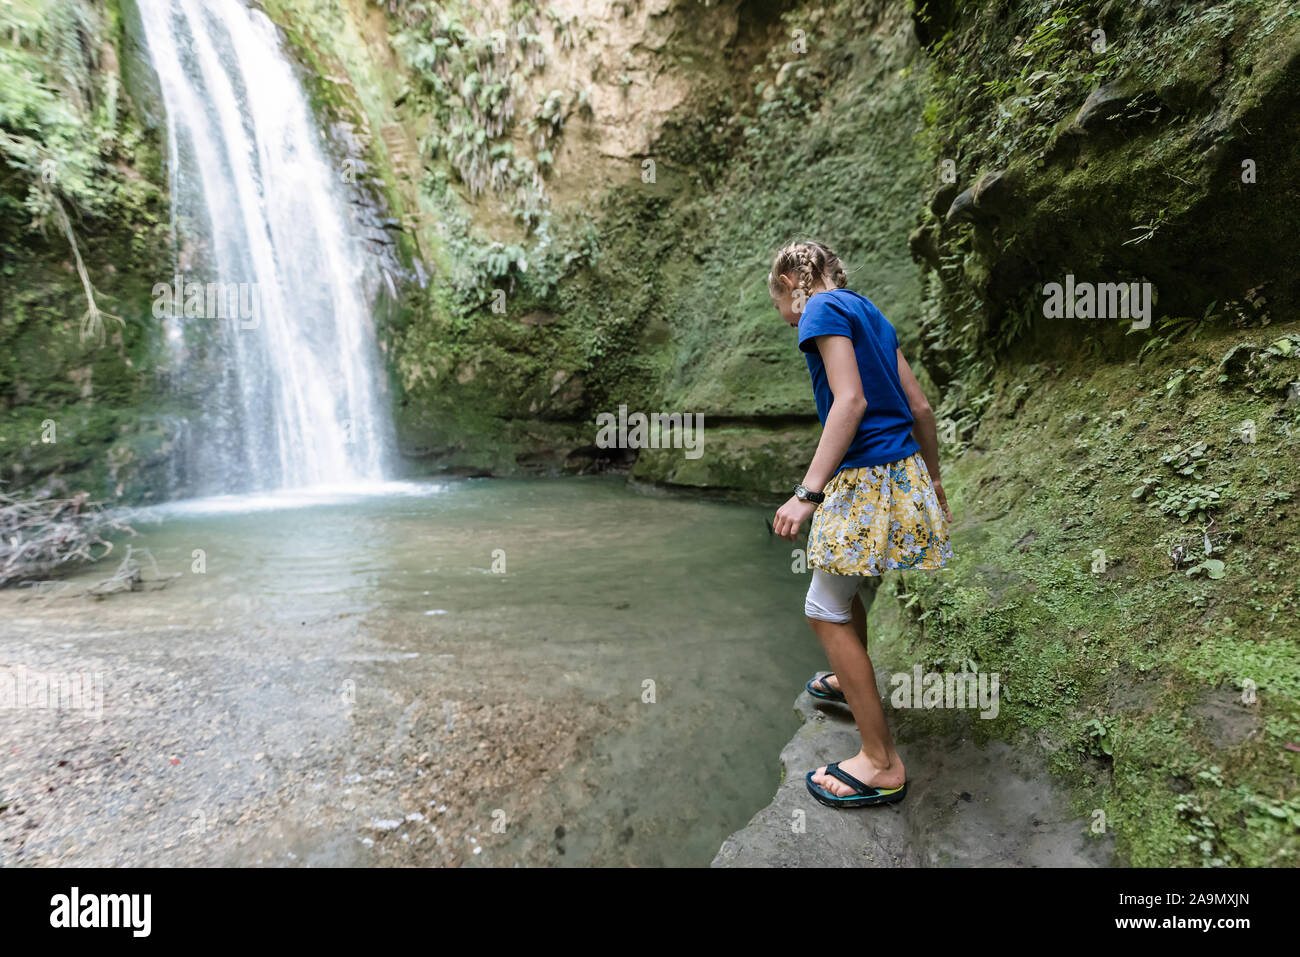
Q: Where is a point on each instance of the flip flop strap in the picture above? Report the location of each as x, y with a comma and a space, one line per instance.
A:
824, 686
835, 771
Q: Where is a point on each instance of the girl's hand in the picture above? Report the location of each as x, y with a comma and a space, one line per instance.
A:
790, 516
943, 500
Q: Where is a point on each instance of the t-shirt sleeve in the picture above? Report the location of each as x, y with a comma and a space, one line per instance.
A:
822, 316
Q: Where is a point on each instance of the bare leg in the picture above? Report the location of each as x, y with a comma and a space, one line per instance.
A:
860, 609
860, 617
878, 763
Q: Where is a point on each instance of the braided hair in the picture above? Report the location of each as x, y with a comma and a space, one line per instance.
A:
810, 262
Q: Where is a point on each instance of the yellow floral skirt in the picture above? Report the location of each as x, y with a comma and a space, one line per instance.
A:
877, 518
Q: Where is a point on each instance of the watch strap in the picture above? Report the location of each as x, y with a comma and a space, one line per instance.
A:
809, 496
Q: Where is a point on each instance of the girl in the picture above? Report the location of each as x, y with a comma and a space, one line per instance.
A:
873, 494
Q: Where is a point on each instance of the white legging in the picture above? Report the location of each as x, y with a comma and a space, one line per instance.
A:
830, 597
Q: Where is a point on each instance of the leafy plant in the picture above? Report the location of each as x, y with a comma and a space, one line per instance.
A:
470, 77
1204, 833
1186, 460
1213, 567
1187, 500
1100, 741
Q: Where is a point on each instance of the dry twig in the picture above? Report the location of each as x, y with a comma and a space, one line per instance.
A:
42, 534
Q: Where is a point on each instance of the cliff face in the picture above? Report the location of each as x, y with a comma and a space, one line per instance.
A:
594, 190
83, 225
1125, 493
571, 202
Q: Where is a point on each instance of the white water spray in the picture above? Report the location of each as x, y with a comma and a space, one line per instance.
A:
292, 400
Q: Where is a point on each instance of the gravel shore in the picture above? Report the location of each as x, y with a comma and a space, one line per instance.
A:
311, 745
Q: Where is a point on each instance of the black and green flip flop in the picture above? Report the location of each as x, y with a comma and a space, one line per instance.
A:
867, 796
818, 688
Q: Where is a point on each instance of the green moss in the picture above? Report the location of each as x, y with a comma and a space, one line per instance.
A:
1157, 657
73, 142
1147, 186
757, 458
655, 296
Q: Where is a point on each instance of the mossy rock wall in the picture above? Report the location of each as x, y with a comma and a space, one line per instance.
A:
81, 403
1125, 534
635, 274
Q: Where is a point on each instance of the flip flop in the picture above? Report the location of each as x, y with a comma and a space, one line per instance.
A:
825, 692
867, 796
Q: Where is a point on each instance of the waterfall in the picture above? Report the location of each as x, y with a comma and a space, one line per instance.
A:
270, 329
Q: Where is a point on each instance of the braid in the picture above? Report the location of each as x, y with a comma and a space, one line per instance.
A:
808, 261
831, 267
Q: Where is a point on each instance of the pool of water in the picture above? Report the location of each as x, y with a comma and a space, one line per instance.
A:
583, 584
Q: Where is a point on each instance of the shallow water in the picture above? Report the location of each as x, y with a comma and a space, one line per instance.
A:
604, 589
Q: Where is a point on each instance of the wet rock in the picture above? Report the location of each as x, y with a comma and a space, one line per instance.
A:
967, 806
1234, 362
1224, 718
1105, 101
961, 206
987, 199
924, 247
942, 198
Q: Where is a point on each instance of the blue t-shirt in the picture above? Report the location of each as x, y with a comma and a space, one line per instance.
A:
885, 434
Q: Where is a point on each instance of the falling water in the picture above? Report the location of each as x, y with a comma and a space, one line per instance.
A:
285, 390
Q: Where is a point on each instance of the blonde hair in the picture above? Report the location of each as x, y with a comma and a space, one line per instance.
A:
809, 261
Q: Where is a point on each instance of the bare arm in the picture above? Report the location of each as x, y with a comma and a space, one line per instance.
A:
847, 409
923, 428
846, 413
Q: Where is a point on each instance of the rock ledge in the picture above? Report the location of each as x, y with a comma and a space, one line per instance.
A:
967, 806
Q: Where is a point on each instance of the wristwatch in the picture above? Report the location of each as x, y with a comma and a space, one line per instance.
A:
803, 495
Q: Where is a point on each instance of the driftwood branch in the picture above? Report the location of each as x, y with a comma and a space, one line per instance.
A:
40, 535
130, 576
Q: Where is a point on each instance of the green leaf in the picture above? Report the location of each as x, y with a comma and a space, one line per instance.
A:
1213, 567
